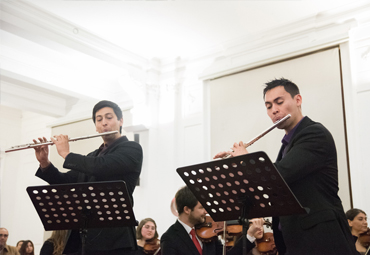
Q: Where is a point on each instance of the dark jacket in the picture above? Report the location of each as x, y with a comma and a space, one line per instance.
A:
176, 241
122, 160
310, 169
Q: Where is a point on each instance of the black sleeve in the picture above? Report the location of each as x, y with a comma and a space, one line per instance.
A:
47, 248
53, 176
124, 158
238, 247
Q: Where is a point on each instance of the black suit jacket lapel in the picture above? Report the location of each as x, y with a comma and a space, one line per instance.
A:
185, 238
305, 122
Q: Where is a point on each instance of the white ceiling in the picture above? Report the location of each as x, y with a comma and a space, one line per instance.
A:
167, 29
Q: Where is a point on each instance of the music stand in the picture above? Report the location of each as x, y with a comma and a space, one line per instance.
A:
82, 206
242, 187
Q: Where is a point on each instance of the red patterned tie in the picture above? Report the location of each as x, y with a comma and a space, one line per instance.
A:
195, 241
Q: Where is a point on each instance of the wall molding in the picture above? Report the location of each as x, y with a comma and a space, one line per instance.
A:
324, 30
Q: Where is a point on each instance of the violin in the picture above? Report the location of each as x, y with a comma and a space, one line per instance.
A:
266, 245
152, 247
209, 229
364, 238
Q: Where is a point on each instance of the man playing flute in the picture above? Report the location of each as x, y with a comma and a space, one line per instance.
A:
308, 163
116, 159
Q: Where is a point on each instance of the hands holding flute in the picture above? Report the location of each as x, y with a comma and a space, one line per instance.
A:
237, 150
42, 152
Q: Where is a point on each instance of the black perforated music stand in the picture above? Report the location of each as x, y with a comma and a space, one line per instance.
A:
243, 187
83, 205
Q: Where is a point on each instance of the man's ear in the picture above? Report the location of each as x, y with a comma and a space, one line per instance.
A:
121, 122
187, 210
298, 99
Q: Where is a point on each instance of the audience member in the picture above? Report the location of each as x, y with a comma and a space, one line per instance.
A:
357, 221
27, 248
55, 244
147, 237
4, 248
19, 244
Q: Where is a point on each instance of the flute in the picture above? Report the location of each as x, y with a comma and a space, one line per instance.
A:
246, 145
33, 145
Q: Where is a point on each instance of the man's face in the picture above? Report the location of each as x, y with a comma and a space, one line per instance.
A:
106, 120
3, 237
280, 103
198, 214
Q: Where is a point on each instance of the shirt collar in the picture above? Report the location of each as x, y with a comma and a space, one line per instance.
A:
287, 137
187, 228
105, 146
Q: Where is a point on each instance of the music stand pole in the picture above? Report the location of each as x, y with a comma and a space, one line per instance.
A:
245, 223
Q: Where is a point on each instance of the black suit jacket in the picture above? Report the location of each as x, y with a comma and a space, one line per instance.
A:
176, 241
121, 160
310, 169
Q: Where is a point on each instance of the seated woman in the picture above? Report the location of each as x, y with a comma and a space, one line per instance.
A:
147, 237
27, 248
55, 244
357, 221
19, 245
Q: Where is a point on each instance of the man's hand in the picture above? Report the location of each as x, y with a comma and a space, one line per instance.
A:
255, 225
42, 152
62, 144
237, 150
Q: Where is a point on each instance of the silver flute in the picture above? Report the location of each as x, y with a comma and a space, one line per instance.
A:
246, 145
33, 145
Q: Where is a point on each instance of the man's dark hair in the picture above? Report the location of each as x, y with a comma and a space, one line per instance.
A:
106, 103
184, 197
289, 86
352, 213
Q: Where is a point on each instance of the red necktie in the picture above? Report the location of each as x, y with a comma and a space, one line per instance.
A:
195, 241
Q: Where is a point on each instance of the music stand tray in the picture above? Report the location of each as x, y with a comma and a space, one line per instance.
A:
244, 186
83, 205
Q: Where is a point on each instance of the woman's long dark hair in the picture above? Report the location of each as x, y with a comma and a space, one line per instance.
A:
22, 250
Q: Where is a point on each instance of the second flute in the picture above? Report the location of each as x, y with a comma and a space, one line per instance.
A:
246, 145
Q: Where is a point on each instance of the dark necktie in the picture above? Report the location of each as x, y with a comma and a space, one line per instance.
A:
195, 241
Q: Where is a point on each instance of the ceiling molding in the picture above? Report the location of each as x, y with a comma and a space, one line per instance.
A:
310, 34
28, 21
23, 93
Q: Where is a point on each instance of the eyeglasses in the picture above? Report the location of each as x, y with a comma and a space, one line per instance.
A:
2, 235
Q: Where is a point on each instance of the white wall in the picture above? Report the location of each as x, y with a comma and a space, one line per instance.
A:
17, 173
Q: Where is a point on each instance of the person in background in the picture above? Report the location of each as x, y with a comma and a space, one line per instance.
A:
27, 248
181, 239
357, 220
19, 244
147, 237
4, 248
55, 244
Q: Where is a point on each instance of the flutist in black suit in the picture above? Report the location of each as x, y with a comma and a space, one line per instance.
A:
308, 163
116, 159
